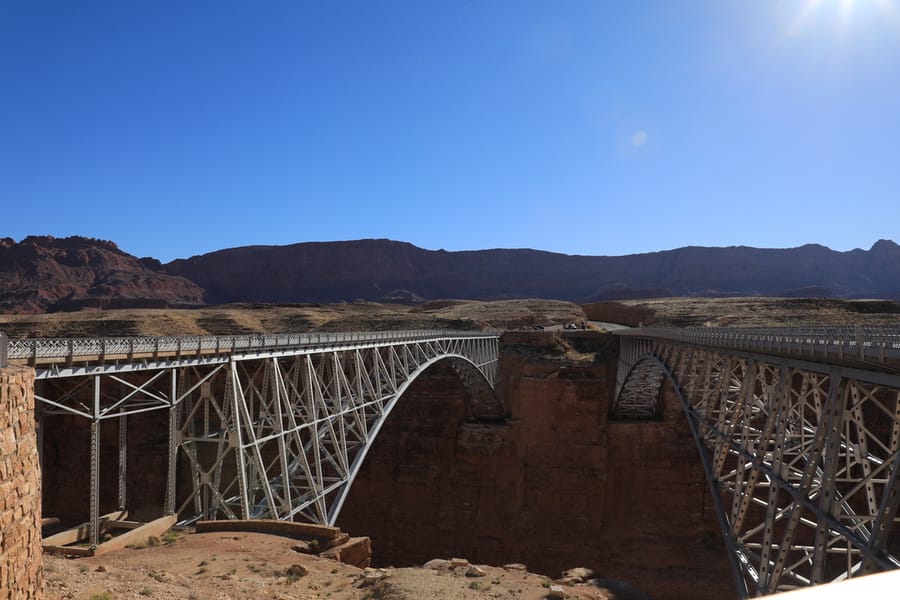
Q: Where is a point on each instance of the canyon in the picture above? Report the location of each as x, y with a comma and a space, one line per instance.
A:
554, 485
548, 480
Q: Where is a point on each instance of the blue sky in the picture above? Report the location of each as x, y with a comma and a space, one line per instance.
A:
601, 128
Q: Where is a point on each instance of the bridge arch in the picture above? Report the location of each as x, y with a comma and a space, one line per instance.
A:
479, 405
259, 426
639, 397
293, 431
802, 459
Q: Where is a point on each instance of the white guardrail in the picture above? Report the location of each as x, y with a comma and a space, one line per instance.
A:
75, 349
864, 343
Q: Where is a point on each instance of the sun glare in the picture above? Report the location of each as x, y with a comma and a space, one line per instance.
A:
843, 14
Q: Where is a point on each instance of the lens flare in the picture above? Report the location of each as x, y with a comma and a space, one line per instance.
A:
842, 14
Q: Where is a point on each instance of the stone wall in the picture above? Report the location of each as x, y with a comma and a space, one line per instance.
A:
21, 574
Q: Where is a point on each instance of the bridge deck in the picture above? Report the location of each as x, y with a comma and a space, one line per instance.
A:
71, 356
875, 348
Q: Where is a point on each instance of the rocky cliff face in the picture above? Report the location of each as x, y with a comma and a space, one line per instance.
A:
370, 269
46, 274
556, 485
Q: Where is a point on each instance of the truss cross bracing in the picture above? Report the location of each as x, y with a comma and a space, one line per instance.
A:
799, 434
272, 427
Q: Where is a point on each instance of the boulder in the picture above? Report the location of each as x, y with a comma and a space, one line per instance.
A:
556, 591
576, 575
473, 571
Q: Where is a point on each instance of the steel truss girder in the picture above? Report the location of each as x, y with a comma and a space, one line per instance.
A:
267, 433
290, 434
802, 458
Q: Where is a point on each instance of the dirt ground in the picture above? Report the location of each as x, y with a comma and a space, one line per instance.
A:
768, 312
252, 566
238, 319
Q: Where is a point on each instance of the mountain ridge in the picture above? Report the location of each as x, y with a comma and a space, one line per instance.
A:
367, 269
46, 274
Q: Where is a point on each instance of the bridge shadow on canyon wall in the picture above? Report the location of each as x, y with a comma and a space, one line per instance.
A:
555, 485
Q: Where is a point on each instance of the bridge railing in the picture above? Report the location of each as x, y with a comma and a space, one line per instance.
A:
35, 350
862, 343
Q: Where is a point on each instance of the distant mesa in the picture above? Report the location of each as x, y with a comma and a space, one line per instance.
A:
339, 271
401, 297
45, 274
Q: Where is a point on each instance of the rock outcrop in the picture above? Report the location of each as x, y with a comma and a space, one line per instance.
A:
45, 274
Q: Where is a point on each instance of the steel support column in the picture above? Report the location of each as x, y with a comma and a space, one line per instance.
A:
172, 438
123, 460
94, 526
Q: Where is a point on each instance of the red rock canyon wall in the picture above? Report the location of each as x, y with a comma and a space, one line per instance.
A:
557, 485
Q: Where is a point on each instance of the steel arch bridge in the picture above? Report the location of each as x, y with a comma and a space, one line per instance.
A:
799, 434
271, 426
